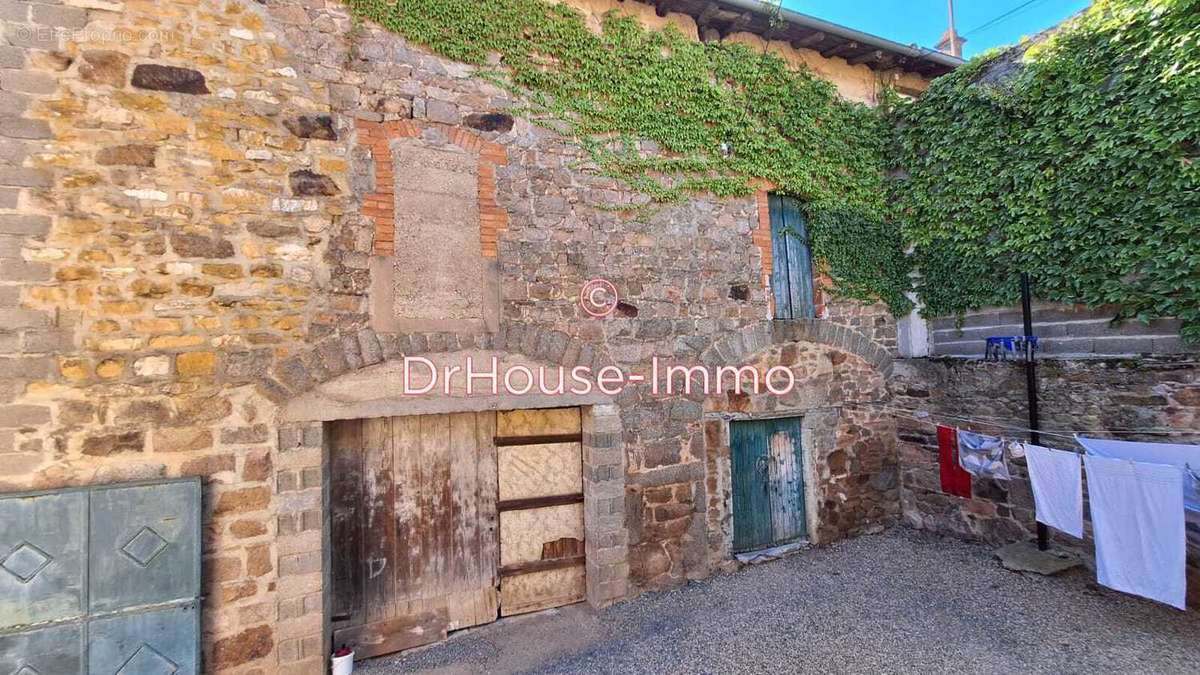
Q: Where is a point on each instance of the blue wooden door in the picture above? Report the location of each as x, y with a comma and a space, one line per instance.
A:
768, 483
792, 273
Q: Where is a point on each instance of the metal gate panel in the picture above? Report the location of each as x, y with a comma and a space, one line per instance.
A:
57, 650
144, 547
42, 557
102, 580
146, 643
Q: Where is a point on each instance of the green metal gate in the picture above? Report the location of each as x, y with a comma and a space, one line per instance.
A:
102, 580
768, 483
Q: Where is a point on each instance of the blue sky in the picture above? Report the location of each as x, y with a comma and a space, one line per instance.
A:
924, 21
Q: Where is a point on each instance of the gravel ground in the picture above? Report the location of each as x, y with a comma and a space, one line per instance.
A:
902, 601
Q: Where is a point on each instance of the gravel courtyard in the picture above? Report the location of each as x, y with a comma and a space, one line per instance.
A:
897, 602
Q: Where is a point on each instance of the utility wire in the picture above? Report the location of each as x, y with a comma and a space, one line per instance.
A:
1002, 17
1003, 423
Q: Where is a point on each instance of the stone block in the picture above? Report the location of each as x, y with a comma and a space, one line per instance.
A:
17, 176
59, 16
498, 122
16, 11
169, 78
245, 647
305, 183
25, 367
28, 81
208, 465
12, 57
319, 127
108, 444
244, 500
442, 112
131, 154
17, 416
195, 364
47, 341
102, 66
257, 433
187, 439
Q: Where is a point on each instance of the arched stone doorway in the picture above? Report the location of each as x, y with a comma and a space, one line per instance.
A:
378, 391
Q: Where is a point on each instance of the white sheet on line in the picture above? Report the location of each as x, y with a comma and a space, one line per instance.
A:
1137, 520
1057, 488
1175, 454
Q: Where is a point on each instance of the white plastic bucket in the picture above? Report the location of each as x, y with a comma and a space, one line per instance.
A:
343, 665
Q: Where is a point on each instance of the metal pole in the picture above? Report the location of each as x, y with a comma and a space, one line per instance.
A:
1031, 395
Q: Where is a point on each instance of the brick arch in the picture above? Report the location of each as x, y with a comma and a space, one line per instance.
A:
742, 345
348, 352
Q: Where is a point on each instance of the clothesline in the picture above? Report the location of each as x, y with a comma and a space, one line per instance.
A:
1003, 423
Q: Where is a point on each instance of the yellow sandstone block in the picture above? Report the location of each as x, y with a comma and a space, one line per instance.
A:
195, 364
176, 341
110, 368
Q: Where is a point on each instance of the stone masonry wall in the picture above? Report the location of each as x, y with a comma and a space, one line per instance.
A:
186, 242
1063, 331
1096, 396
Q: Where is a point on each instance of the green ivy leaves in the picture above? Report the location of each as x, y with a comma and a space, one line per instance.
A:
1080, 165
1081, 169
720, 115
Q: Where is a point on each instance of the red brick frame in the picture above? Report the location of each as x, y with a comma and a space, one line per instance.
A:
380, 205
761, 236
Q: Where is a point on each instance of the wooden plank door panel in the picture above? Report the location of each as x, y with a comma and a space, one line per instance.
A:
540, 487
346, 521
540, 470
786, 480
751, 499
379, 530
799, 260
779, 259
541, 422
424, 549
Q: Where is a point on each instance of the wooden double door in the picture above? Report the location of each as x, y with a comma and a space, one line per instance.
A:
442, 522
768, 483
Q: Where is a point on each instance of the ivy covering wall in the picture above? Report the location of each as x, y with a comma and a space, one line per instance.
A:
673, 117
1076, 159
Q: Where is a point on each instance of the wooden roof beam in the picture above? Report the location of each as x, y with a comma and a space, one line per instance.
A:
739, 24
839, 49
867, 57
809, 41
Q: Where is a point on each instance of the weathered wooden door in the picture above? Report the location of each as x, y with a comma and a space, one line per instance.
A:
768, 483
540, 473
414, 529
421, 546
791, 257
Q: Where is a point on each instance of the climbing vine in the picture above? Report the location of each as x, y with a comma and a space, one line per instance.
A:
672, 117
1075, 158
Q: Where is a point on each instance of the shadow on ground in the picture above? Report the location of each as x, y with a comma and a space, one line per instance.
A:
902, 601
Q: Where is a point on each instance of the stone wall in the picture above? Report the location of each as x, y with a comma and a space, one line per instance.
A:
188, 241
1097, 396
1063, 331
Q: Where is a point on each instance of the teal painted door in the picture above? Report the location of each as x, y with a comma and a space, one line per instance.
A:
768, 483
791, 258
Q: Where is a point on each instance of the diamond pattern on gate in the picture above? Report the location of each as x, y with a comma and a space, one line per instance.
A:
27, 670
150, 661
25, 561
144, 546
